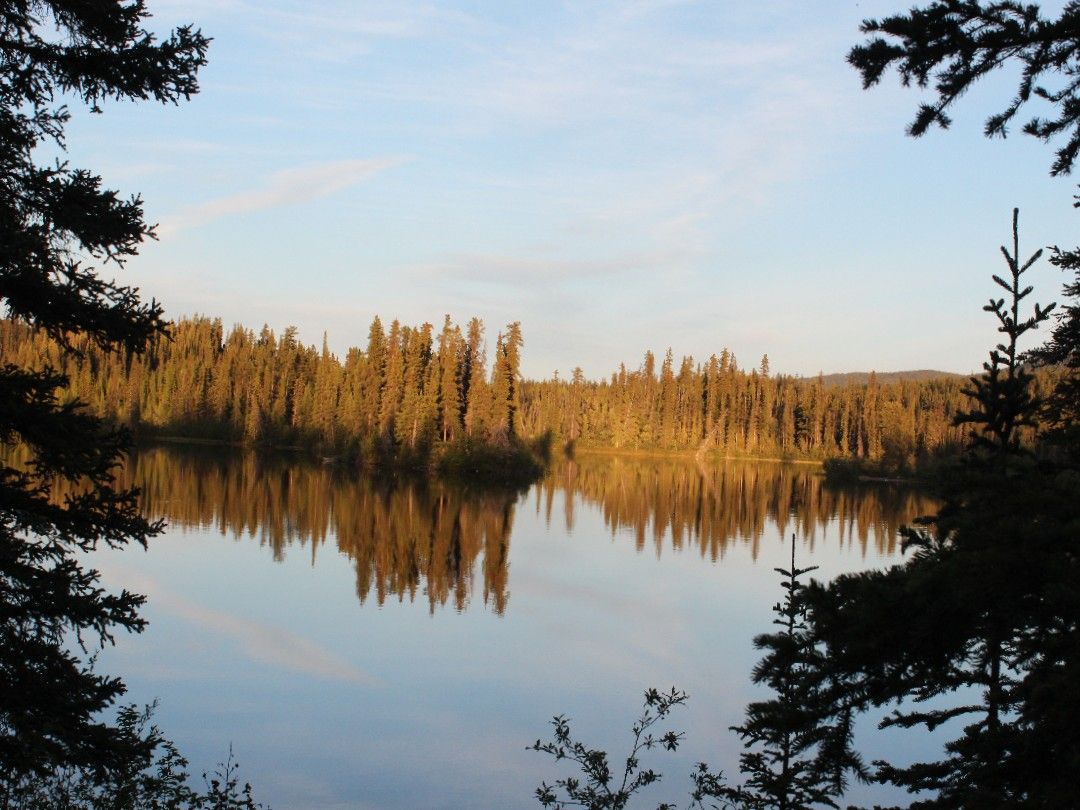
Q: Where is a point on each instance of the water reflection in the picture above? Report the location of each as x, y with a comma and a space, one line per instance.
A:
405, 538
711, 506
436, 541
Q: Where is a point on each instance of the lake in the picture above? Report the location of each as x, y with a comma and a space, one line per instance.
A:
397, 644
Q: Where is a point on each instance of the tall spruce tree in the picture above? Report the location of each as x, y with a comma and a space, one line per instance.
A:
983, 618
798, 743
1003, 402
56, 223
953, 44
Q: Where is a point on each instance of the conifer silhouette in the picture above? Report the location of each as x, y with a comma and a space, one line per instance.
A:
798, 744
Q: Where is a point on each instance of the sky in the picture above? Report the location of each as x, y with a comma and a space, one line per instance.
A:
617, 176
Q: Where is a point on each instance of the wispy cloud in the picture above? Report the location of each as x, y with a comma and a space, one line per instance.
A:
288, 187
260, 641
523, 271
579, 159
332, 31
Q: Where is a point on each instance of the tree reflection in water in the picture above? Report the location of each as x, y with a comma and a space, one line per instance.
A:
711, 506
427, 539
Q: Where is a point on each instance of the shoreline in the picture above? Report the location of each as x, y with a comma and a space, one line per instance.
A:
687, 454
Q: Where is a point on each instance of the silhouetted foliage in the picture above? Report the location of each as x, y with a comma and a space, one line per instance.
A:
952, 44
55, 222
798, 742
1002, 397
223, 789
1061, 409
604, 788
984, 617
155, 778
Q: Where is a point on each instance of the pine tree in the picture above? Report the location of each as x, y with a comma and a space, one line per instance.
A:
577, 403
326, 391
667, 403
498, 393
409, 423
511, 370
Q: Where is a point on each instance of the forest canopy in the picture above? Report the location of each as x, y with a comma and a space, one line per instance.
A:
412, 390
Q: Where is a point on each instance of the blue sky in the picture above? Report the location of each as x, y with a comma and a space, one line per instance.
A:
618, 176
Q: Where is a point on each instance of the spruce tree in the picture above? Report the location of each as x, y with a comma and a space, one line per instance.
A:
798, 742
373, 379
982, 620
952, 44
450, 358
58, 227
393, 383
476, 394
510, 368
1002, 397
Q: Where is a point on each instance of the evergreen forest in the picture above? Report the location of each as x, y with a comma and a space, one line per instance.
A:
415, 395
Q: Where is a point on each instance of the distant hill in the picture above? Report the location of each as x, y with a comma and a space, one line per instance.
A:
883, 377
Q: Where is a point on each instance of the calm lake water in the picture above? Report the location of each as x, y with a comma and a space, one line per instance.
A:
389, 644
